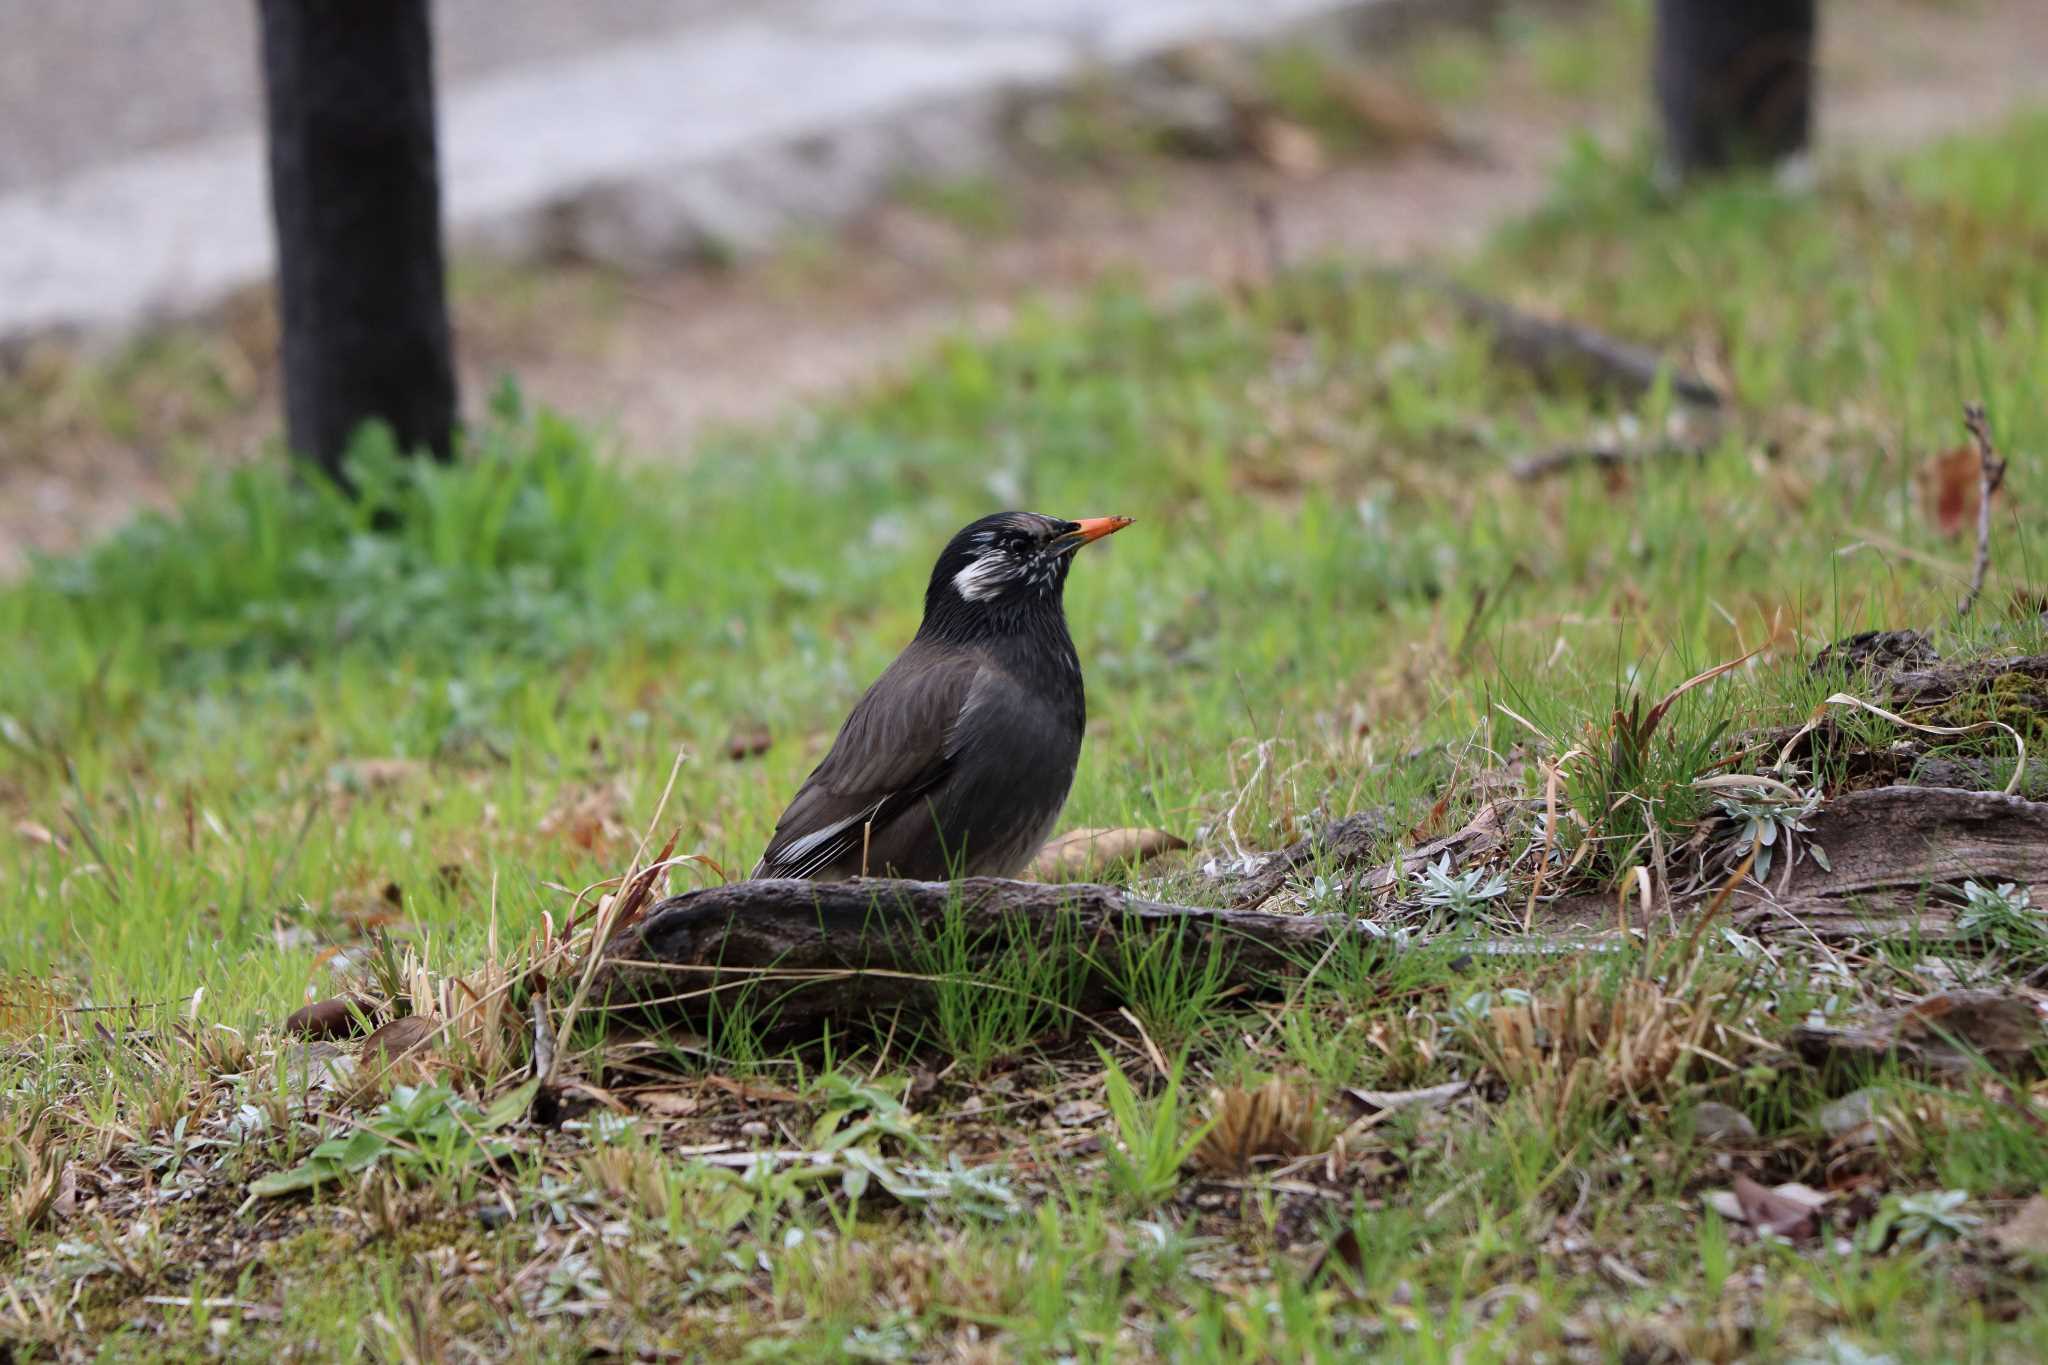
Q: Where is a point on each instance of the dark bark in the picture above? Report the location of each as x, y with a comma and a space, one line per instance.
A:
355, 195
1734, 81
809, 951
844, 950
1561, 353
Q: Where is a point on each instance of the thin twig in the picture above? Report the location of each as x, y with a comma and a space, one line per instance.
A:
1558, 459
1990, 474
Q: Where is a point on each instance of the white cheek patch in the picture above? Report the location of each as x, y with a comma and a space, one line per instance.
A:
984, 577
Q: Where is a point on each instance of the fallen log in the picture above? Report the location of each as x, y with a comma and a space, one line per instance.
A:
1558, 352
804, 951
807, 951
1896, 855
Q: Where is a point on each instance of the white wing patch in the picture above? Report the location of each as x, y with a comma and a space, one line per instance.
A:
806, 855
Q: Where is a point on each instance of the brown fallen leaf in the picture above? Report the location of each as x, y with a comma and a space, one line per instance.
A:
2026, 1232
1394, 113
337, 1017
759, 1091
1790, 1211
667, 1104
1082, 855
411, 1036
744, 744
1722, 1124
36, 833
1076, 1113
1948, 1032
1949, 489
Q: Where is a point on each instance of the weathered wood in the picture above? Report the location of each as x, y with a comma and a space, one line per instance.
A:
840, 950
355, 192
1346, 842
1562, 353
1897, 856
810, 951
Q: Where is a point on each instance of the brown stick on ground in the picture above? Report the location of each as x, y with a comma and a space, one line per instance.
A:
1556, 351
1990, 474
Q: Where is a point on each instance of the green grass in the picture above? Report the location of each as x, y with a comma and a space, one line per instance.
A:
1333, 600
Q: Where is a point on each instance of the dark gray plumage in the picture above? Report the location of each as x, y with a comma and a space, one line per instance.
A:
958, 760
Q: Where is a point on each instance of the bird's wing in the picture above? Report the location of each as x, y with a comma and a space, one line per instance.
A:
890, 753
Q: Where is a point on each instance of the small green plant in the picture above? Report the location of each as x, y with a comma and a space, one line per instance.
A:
2005, 915
1930, 1219
1153, 1141
859, 1113
425, 1130
1463, 895
1767, 818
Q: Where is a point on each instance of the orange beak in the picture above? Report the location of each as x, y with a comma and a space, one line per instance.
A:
1091, 528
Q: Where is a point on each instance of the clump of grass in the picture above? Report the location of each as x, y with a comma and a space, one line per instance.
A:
528, 545
1153, 1140
982, 1014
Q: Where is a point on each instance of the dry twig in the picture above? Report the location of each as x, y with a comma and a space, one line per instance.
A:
1990, 474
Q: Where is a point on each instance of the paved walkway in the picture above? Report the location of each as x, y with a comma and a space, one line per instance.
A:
131, 175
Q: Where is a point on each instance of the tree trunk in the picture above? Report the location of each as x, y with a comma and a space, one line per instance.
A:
1734, 81
355, 193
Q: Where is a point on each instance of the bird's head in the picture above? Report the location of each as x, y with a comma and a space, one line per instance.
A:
1008, 562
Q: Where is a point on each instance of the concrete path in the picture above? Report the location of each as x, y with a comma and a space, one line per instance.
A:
131, 174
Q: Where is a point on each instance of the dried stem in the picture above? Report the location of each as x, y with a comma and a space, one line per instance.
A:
1990, 474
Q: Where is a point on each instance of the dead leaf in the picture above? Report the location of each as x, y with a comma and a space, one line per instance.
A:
2026, 1232
1947, 1032
667, 1104
1430, 1097
594, 817
1075, 1113
758, 1091
65, 1206
410, 1036
1789, 1211
1949, 489
744, 744
1343, 1250
1086, 854
40, 834
1851, 1121
336, 1017
1287, 146
1392, 111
